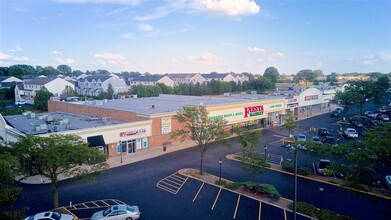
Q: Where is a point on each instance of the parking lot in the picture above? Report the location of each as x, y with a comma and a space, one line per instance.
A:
220, 203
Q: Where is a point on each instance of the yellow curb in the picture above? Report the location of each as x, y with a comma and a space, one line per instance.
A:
322, 181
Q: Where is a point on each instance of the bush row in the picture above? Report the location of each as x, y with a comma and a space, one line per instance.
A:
288, 166
321, 214
260, 188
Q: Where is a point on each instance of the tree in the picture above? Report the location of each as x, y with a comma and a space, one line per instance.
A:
64, 69
345, 99
68, 92
272, 74
332, 78
200, 128
41, 99
110, 91
308, 75
251, 155
364, 90
57, 155
49, 71
9, 193
289, 124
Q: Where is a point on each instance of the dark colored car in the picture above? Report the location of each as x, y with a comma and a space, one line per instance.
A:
355, 122
323, 131
329, 139
336, 114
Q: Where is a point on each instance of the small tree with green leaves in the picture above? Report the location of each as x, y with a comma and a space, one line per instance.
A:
58, 155
289, 124
110, 91
252, 156
41, 99
9, 193
200, 128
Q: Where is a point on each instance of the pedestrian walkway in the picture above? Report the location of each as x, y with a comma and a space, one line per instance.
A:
143, 154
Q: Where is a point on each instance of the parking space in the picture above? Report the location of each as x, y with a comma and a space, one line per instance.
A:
172, 183
85, 210
220, 203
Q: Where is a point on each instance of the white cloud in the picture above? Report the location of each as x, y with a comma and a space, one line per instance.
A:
110, 56
145, 27
230, 7
16, 49
385, 55
65, 61
206, 58
257, 50
55, 52
111, 59
127, 35
4, 56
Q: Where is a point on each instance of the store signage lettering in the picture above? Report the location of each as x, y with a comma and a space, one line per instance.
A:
292, 100
253, 111
130, 133
226, 115
311, 97
275, 106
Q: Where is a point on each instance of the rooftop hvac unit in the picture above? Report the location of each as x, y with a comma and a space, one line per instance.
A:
37, 128
227, 94
58, 128
43, 126
243, 93
26, 113
32, 115
49, 118
253, 92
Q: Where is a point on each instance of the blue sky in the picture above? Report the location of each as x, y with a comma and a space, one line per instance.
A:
174, 36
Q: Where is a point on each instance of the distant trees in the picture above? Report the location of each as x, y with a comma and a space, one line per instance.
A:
272, 74
308, 75
64, 69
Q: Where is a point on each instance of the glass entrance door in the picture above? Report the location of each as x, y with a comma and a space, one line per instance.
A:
132, 146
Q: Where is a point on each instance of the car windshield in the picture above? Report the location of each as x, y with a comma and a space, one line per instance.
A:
106, 211
324, 164
316, 139
56, 216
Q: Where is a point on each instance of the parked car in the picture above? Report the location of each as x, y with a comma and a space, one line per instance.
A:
382, 117
384, 110
369, 114
336, 114
301, 137
338, 109
388, 181
323, 131
118, 212
355, 122
350, 133
317, 140
50, 216
323, 165
330, 139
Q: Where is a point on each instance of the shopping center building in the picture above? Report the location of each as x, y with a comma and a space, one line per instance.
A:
125, 126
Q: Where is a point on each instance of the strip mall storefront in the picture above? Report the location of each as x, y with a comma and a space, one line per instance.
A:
250, 115
309, 100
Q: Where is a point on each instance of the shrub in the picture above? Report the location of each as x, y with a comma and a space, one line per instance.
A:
305, 208
221, 182
267, 189
325, 214
288, 166
232, 186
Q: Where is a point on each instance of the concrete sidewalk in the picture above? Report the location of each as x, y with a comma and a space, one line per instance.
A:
143, 154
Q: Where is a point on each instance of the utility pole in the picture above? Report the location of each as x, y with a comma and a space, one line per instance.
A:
295, 187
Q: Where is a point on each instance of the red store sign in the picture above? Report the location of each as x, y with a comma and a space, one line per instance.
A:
130, 133
253, 111
311, 97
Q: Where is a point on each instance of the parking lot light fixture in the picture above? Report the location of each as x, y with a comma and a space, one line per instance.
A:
321, 189
220, 162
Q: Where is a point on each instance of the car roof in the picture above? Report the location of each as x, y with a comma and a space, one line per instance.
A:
118, 207
43, 214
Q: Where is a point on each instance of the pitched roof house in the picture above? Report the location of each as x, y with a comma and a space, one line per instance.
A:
186, 78
224, 77
94, 85
150, 80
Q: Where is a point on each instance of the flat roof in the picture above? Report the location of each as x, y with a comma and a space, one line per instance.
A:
49, 122
172, 103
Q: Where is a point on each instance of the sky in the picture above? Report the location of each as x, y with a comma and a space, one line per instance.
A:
190, 36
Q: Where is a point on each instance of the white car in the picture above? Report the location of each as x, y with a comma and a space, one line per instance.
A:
323, 165
118, 212
370, 114
50, 216
301, 137
388, 181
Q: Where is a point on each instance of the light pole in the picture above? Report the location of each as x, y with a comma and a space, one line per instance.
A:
295, 186
120, 148
265, 148
220, 162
